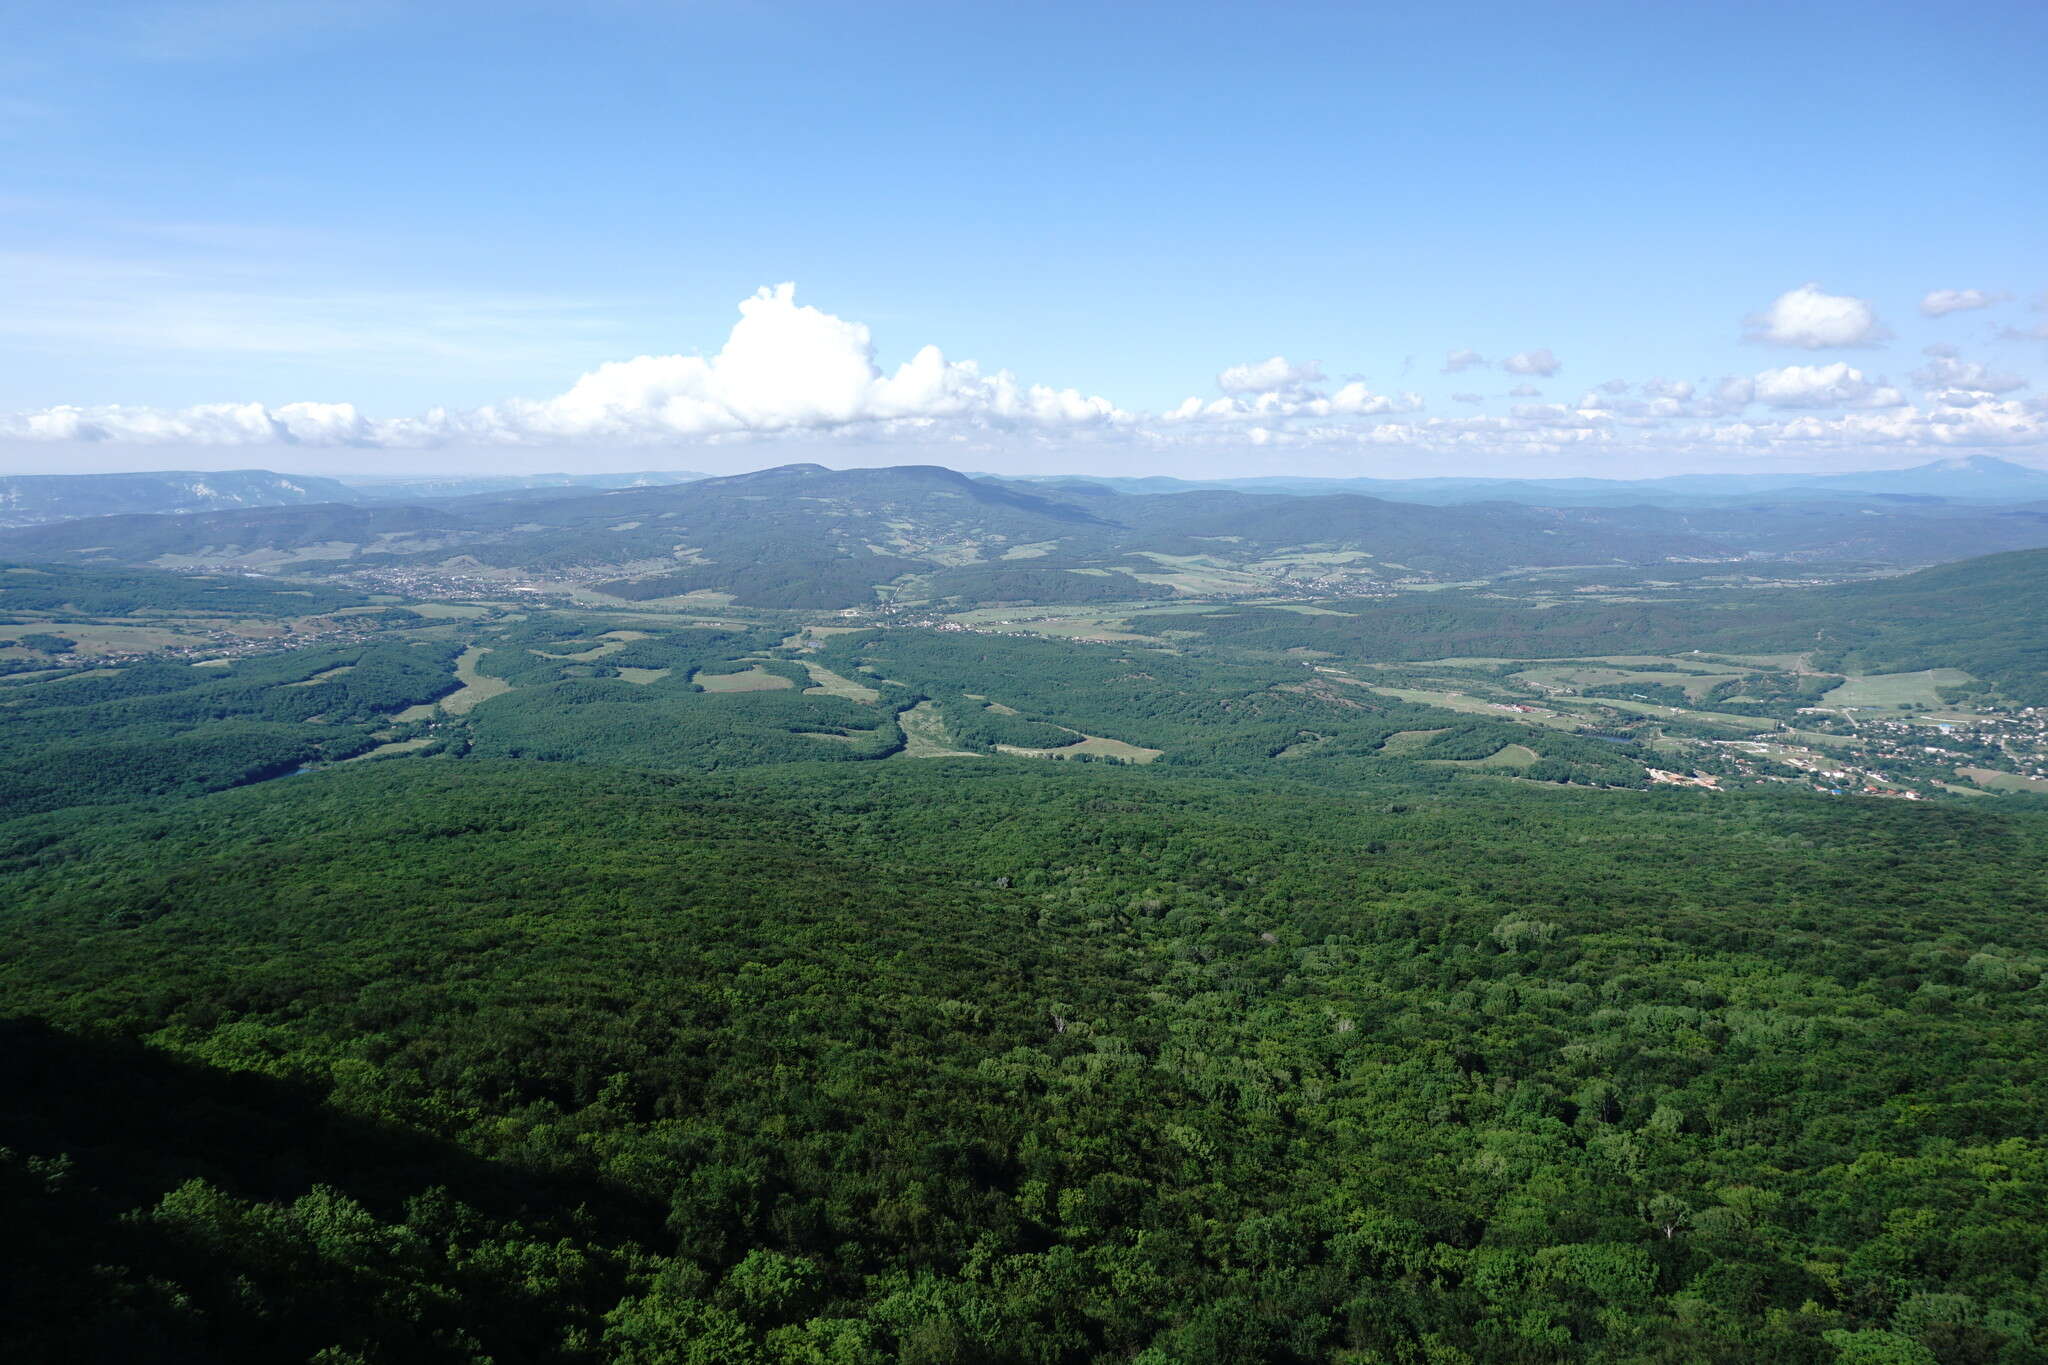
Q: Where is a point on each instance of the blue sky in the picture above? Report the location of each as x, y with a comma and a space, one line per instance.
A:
326, 236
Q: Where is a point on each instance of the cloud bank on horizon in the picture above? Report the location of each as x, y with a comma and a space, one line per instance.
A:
790, 371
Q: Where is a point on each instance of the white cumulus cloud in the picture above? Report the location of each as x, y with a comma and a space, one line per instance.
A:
790, 373
1822, 386
1277, 373
1941, 302
1813, 321
1947, 372
785, 368
1538, 362
1351, 400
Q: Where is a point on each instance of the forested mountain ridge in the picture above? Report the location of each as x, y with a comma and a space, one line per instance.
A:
803, 536
913, 515
32, 499
37, 499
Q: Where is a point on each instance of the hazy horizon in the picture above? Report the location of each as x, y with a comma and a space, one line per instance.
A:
717, 461
397, 465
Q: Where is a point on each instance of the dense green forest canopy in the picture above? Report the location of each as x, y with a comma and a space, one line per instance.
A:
600, 985
934, 1063
44, 587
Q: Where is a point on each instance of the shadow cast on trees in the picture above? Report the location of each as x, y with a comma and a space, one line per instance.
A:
313, 1230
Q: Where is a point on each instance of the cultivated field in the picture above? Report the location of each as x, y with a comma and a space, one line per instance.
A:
1507, 756
2005, 782
829, 684
1894, 690
755, 679
1094, 745
925, 735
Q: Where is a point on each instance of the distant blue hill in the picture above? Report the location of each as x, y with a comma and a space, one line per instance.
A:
34, 499
406, 489
1968, 479
38, 499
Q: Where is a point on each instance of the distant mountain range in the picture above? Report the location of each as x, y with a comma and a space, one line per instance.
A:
466, 486
33, 499
1976, 480
1967, 479
36, 499
805, 536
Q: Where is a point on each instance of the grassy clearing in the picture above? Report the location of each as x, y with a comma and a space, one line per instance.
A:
925, 735
830, 684
1961, 790
1821, 738
453, 611
614, 641
1685, 661
1462, 661
1095, 745
1784, 663
2005, 782
98, 639
1449, 701
1201, 576
1507, 756
1577, 676
640, 677
1209, 583
755, 679
238, 557
1096, 626
396, 746
688, 601
812, 635
476, 688
324, 675
613, 609
1407, 741
1880, 691
1478, 706
1745, 724
1290, 557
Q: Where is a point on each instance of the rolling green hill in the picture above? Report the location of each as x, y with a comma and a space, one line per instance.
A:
1982, 615
807, 537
